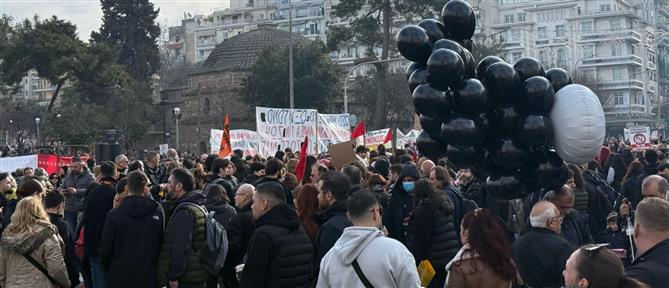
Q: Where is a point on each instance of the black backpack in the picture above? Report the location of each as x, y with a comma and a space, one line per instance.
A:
215, 248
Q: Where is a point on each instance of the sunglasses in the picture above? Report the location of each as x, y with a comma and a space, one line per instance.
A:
592, 249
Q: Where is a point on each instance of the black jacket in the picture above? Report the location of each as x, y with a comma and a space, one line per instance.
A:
575, 229
182, 233
71, 261
131, 242
632, 187
98, 202
599, 207
473, 190
239, 229
223, 212
289, 194
280, 253
215, 179
431, 235
540, 256
154, 180
400, 206
652, 266
332, 222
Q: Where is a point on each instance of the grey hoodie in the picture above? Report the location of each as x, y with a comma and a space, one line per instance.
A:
384, 261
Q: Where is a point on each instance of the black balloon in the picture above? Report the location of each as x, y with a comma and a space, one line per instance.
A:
463, 158
430, 147
535, 131
414, 43
538, 95
461, 132
504, 186
484, 64
470, 65
504, 120
431, 125
502, 82
435, 30
508, 155
431, 102
483, 123
417, 77
471, 97
467, 44
559, 78
445, 68
551, 171
412, 68
459, 18
450, 45
528, 67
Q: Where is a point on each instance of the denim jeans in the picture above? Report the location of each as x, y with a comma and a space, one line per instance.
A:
97, 272
71, 218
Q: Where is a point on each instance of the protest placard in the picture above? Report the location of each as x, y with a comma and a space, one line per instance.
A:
280, 128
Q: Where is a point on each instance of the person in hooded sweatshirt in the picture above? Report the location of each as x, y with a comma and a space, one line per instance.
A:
132, 237
400, 206
383, 261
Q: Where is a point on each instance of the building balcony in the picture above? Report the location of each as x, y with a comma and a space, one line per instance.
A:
601, 36
612, 61
621, 85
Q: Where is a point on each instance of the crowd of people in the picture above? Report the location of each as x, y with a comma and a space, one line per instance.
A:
384, 220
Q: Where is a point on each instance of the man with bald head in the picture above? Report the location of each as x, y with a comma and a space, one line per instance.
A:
655, 186
541, 254
574, 224
426, 167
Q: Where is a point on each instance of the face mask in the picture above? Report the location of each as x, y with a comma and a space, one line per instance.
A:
408, 186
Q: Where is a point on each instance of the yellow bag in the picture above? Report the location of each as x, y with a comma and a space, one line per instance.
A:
425, 272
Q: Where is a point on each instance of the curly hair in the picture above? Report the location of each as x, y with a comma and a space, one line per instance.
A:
484, 229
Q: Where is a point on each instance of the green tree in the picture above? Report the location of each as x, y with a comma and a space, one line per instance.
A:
131, 26
317, 78
487, 48
371, 24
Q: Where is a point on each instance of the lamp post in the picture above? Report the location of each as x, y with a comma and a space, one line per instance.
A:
37, 121
177, 116
290, 54
356, 67
18, 107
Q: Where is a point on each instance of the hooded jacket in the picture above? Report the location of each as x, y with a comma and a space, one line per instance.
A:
332, 222
223, 212
98, 202
45, 246
280, 253
385, 262
131, 240
400, 206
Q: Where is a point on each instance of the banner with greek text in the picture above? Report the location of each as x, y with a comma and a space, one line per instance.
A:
280, 128
376, 137
247, 140
332, 129
406, 139
10, 164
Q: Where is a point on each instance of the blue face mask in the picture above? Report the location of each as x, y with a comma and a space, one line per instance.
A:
408, 186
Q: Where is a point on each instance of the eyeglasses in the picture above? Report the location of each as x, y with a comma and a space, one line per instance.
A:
377, 208
591, 249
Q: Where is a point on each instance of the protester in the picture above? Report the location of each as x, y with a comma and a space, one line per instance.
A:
55, 207
121, 192
216, 200
132, 237
316, 171
362, 153
655, 186
29, 188
596, 266
632, 191
484, 261
121, 162
219, 176
74, 186
600, 203
274, 171
377, 184
442, 180
383, 261
98, 202
577, 184
279, 253
256, 171
29, 242
425, 167
471, 187
307, 206
401, 203
574, 225
431, 233
651, 237
153, 173
334, 188
178, 263
540, 255
239, 229
354, 175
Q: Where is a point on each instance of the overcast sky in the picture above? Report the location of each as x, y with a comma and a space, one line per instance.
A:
86, 14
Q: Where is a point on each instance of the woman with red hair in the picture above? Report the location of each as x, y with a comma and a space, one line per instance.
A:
484, 261
307, 207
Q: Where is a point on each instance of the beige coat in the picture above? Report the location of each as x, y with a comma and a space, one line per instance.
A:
469, 271
45, 246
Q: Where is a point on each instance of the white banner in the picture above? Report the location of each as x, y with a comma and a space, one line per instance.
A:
279, 129
246, 140
376, 137
10, 164
406, 139
332, 129
163, 148
639, 137
215, 136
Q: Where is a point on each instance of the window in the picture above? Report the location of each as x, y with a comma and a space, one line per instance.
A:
521, 17
586, 27
234, 19
605, 8
508, 18
515, 56
588, 51
541, 31
559, 31
561, 58
619, 98
515, 36
590, 75
616, 49
543, 57
614, 24
618, 74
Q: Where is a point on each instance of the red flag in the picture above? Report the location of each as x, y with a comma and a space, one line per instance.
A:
299, 169
359, 130
389, 136
225, 148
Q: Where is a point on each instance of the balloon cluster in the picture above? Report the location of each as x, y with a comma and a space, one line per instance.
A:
491, 116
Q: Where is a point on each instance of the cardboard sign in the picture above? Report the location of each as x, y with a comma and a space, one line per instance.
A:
280, 128
163, 148
342, 153
376, 137
639, 137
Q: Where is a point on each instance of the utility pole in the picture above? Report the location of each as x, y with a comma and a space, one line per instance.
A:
290, 53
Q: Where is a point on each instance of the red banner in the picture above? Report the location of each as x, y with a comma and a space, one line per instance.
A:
50, 163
